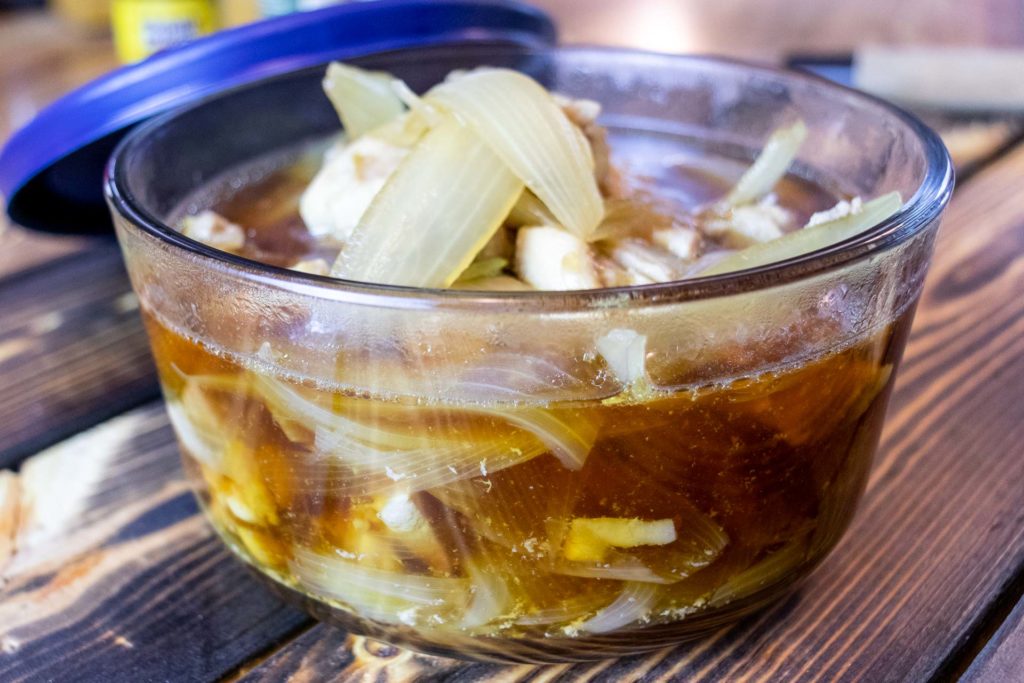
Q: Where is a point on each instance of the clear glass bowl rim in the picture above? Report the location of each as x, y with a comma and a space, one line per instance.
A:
916, 215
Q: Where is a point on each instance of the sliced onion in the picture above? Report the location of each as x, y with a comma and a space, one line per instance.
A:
525, 378
568, 440
763, 574
364, 99
810, 238
445, 201
379, 470
568, 611
484, 268
569, 434
490, 598
619, 567
387, 596
530, 211
201, 443
289, 406
524, 126
770, 166
498, 283
632, 605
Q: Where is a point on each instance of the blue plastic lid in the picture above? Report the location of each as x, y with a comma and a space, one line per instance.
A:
51, 170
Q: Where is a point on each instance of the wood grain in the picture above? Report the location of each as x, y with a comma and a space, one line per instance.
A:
114, 569
942, 526
72, 350
1003, 658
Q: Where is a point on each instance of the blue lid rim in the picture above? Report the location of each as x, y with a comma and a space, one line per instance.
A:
114, 103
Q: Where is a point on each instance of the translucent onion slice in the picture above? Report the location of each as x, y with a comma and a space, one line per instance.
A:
569, 434
195, 418
482, 269
770, 166
530, 211
363, 99
498, 283
810, 238
515, 507
289, 408
632, 605
569, 439
524, 126
388, 596
378, 470
569, 610
445, 201
203, 444
614, 567
526, 378
763, 574
490, 598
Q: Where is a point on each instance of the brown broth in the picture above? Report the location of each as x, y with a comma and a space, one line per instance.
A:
770, 463
759, 475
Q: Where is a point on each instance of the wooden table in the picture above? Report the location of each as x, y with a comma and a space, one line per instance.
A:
108, 573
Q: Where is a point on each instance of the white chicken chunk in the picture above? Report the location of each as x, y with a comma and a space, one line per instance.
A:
401, 514
681, 241
350, 178
554, 259
214, 230
747, 224
840, 210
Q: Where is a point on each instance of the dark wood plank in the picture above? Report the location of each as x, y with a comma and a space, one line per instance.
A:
1003, 657
115, 576
940, 530
72, 350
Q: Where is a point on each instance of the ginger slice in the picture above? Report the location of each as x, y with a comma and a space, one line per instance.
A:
590, 538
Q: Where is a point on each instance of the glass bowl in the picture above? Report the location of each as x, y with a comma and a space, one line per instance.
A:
464, 473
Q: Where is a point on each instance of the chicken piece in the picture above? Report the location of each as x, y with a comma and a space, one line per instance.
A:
681, 241
341, 191
625, 352
554, 259
840, 210
214, 230
741, 226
